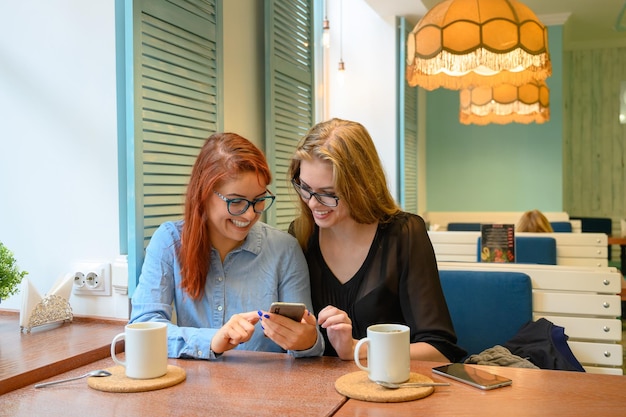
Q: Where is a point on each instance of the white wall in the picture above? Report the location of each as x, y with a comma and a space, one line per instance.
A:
368, 92
58, 159
244, 78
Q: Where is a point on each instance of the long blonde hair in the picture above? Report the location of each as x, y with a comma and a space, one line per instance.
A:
359, 177
534, 221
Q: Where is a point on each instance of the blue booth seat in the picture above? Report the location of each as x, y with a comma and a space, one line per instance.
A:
487, 307
561, 227
531, 250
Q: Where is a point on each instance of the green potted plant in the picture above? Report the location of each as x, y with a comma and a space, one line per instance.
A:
10, 275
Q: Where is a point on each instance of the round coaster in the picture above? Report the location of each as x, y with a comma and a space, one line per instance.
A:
119, 382
358, 386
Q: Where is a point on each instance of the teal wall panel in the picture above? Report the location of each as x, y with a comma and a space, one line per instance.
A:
511, 167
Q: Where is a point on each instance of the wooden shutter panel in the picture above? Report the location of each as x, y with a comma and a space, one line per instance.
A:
408, 128
289, 86
176, 107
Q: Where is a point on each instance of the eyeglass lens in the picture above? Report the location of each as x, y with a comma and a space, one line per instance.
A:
325, 199
238, 206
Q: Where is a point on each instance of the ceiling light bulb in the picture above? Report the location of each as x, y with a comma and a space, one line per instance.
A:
326, 34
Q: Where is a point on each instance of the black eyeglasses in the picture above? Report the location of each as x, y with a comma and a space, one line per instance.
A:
329, 200
238, 206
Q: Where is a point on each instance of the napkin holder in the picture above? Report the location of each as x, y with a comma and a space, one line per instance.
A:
53, 308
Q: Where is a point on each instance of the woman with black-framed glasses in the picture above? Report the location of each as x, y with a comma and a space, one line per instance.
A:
221, 268
369, 261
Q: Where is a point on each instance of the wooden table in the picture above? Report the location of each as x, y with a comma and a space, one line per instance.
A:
272, 384
238, 384
52, 349
533, 393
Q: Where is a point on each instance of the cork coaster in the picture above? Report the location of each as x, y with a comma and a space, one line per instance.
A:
119, 382
358, 386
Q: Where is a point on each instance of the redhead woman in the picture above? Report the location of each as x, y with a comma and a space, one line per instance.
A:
220, 268
369, 261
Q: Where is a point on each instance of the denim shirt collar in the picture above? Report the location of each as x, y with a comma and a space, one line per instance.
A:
253, 241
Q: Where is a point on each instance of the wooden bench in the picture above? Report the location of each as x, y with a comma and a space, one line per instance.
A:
574, 249
583, 300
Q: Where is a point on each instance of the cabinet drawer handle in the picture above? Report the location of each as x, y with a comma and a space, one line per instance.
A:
606, 282
606, 329
607, 354
606, 304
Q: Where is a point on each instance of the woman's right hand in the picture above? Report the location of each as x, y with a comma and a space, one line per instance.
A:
339, 330
238, 329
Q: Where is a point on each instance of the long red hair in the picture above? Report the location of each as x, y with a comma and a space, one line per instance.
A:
224, 156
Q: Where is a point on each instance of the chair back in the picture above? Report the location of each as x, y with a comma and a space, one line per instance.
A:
561, 227
596, 225
487, 307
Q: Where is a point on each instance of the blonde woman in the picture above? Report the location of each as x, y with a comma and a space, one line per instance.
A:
534, 221
369, 262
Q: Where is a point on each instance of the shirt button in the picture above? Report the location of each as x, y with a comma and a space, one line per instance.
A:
200, 353
220, 308
220, 279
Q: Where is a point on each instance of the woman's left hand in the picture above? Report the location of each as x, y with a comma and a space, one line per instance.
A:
339, 330
290, 334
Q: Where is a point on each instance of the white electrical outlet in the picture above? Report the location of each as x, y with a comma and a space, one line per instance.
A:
92, 278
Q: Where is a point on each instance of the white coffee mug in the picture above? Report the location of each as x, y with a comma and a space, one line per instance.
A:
146, 350
388, 353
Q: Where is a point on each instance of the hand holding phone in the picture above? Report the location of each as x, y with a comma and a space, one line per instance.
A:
294, 311
472, 376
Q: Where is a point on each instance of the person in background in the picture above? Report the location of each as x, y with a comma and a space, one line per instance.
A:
534, 221
220, 267
369, 262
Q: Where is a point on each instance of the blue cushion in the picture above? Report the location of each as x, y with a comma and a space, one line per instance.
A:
531, 250
559, 227
463, 227
487, 307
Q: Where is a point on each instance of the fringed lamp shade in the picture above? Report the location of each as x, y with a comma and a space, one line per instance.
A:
461, 43
505, 103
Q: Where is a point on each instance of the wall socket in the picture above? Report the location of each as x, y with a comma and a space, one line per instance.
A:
92, 278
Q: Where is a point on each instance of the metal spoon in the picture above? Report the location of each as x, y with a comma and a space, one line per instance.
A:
99, 372
391, 385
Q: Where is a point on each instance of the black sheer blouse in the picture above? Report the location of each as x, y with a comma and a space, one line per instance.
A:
397, 283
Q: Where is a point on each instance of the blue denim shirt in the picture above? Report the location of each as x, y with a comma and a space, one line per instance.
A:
269, 266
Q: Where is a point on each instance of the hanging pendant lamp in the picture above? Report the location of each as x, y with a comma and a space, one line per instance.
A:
462, 43
505, 103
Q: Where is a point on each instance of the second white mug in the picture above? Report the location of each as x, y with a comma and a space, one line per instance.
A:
146, 350
388, 353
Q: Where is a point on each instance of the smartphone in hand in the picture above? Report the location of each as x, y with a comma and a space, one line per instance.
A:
294, 311
472, 376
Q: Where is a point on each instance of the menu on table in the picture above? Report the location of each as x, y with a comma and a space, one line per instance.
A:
497, 243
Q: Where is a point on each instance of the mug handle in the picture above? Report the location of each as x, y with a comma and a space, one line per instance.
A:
356, 353
115, 359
